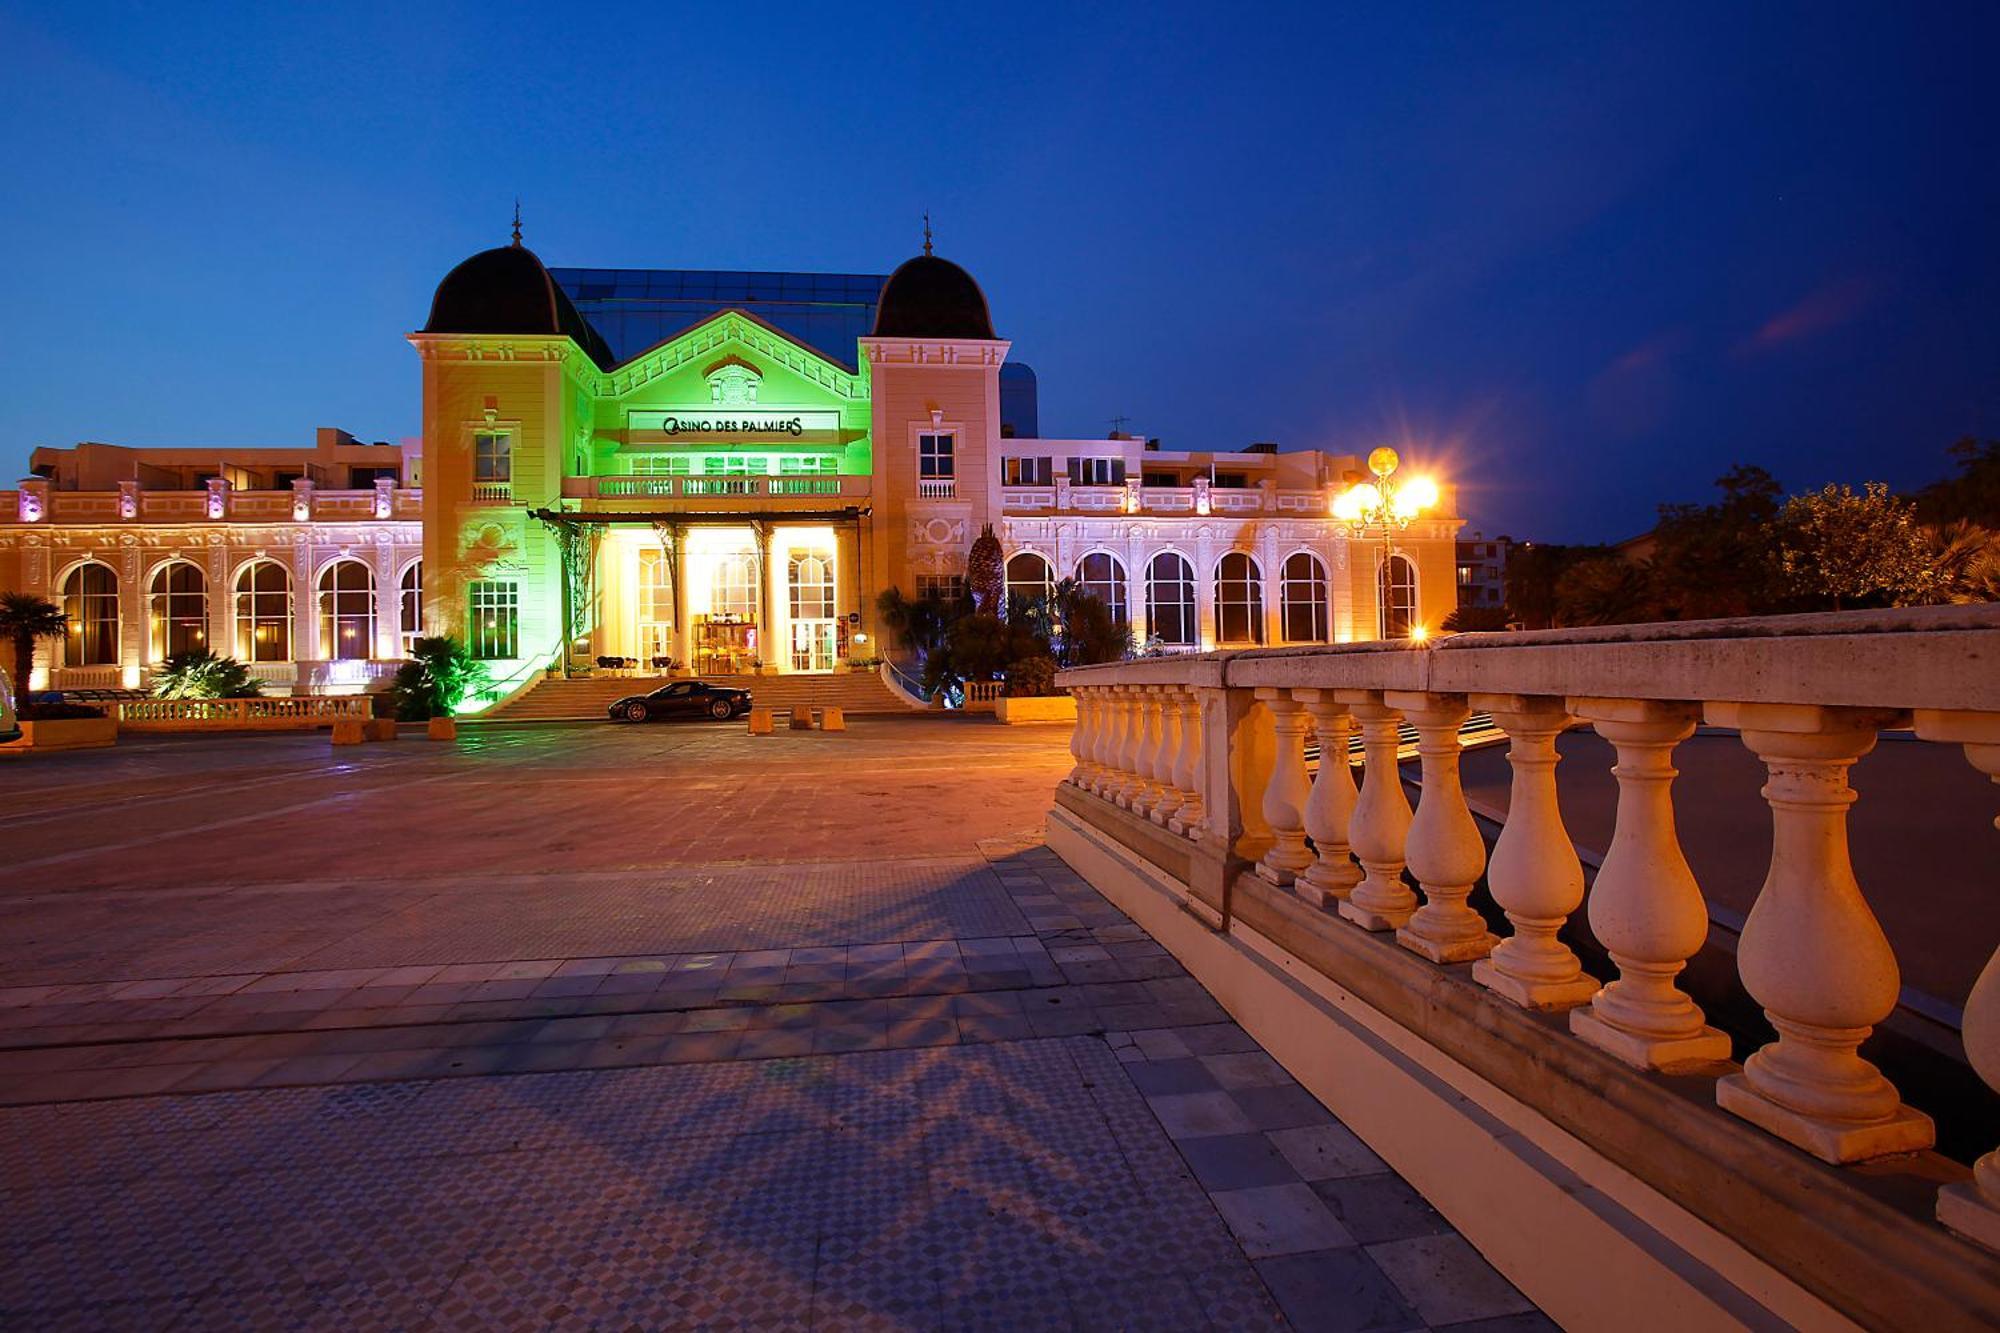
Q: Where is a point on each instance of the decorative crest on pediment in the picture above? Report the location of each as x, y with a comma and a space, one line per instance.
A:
732, 382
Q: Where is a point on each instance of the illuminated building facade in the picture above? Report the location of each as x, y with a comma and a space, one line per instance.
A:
680, 470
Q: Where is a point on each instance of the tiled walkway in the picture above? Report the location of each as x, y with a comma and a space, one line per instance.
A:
941, 1090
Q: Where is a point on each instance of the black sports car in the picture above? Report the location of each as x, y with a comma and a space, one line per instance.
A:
683, 698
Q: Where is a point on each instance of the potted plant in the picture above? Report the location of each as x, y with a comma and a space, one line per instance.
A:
64, 726
440, 675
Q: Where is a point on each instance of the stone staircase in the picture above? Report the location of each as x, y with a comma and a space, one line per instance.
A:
553, 698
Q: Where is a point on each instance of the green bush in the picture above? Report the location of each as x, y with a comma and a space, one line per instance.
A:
1031, 677
200, 674
441, 674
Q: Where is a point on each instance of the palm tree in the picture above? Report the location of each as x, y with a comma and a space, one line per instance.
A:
24, 618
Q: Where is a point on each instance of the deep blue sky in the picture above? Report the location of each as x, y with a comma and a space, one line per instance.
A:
1585, 260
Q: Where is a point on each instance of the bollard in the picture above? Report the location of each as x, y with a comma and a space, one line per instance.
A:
348, 731
379, 728
760, 721
833, 718
442, 729
802, 718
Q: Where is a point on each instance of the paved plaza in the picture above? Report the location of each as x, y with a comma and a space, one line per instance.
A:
582, 1026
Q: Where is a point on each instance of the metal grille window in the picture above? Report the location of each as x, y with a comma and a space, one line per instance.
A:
1239, 600
346, 611
495, 607
492, 457
1396, 595
934, 457
90, 600
1104, 578
411, 598
1170, 612
264, 612
1302, 599
179, 609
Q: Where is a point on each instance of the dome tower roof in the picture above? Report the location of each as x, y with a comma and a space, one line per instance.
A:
929, 297
509, 290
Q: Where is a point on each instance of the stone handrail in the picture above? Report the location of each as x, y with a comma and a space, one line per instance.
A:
1211, 748
300, 711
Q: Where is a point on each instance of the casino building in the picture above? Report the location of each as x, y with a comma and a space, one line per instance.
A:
715, 472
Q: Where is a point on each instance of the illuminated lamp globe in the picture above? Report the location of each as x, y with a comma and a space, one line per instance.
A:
1383, 461
1423, 493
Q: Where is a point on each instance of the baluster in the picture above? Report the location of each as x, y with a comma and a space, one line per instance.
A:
1144, 789
1106, 744
1445, 851
1381, 823
1190, 820
1645, 906
1079, 738
1972, 1208
1285, 794
1812, 954
1330, 806
1119, 790
1535, 875
1166, 761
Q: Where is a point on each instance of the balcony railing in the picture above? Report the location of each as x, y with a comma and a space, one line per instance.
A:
492, 492
304, 711
937, 488
153, 506
1195, 770
698, 488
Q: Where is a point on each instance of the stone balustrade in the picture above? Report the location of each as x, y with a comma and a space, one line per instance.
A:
1212, 750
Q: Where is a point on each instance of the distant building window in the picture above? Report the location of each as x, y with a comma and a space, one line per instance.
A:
1097, 472
1468, 574
411, 598
1158, 479
264, 612
935, 461
1103, 577
362, 478
495, 631
179, 609
1302, 599
90, 600
1239, 600
346, 611
492, 457
1025, 471
1170, 613
1229, 481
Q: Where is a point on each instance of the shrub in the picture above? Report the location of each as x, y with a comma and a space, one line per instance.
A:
56, 712
1031, 677
1478, 619
441, 674
200, 674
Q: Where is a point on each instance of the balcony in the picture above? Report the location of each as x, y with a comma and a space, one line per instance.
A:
713, 488
492, 492
1544, 1042
937, 488
139, 505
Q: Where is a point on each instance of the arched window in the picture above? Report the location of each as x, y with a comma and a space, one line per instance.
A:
346, 611
811, 580
1302, 598
734, 592
1030, 576
90, 600
1104, 578
264, 612
410, 606
178, 609
1170, 614
1239, 600
1396, 594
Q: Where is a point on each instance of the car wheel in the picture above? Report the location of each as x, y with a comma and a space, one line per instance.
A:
721, 710
637, 712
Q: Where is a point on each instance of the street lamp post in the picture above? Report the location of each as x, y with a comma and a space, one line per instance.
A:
1388, 505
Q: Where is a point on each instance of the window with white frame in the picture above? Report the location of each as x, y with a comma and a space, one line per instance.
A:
734, 591
1302, 599
935, 461
1396, 597
494, 606
946, 588
1030, 577
809, 575
90, 601
1239, 600
178, 609
1103, 577
1035, 471
410, 607
1170, 606
264, 612
1097, 472
661, 465
492, 457
346, 611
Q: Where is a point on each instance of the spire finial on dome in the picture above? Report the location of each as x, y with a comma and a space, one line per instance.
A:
517, 222
927, 231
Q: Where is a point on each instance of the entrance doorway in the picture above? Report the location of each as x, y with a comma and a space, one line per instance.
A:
809, 580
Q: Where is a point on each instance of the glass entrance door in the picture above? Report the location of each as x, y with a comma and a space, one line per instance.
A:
812, 645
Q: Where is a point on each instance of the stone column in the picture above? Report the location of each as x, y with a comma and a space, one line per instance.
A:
1645, 906
1330, 807
1286, 793
1972, 1207
1166, 759
1381, 823
1445, 851
1811, 953
221, 599
305, 609
1535, 875
1188, 817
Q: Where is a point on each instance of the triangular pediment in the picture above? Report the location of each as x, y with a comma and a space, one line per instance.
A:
741, 334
